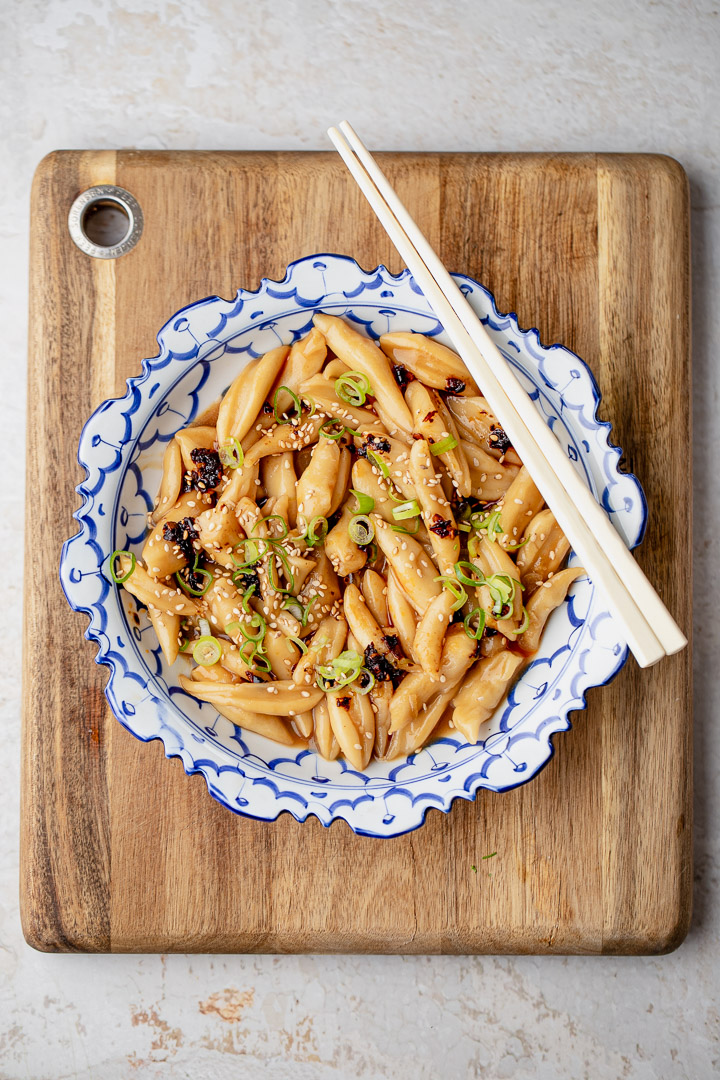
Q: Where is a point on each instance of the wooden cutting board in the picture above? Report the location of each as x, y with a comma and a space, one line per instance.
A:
120, 850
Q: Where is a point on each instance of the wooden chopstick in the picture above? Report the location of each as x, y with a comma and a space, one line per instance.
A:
650, 629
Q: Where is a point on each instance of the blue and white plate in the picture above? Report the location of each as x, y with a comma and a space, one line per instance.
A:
121, 448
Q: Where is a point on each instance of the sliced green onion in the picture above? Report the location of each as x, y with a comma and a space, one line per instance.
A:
409, 509
394, 494
293, 605
113, 557
232, 627
332, 681
478, 632
326, 430
260, 661
502, 590
407, 532
207, 651
365, 503
313, 406
259, 622
316, 532
456, 589
382, 466
343, 670
488, 523
189, 589
443, 445
231, 454
372, 552
296, 403
272, 572
361, 530
252, 551
477, 579
464, 527
353, 388
515, 547
275, 517
525, 623
348, 661
204, 626
306, 610
297, 641
365, 681
246, 599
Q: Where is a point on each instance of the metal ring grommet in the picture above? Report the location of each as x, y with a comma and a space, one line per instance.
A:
105, 197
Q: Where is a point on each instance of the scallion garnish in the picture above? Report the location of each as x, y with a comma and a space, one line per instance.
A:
252, 551
361, 530
365, 503
316, 532
443, 445
274, 517
197, 572
246, 599
365, 681
479, 630
297, 641
525, 622
207, 650
382, 466
256, 621
353, 388
306, 610
115, 555
478, 578
231, 454
409, 509
407, 532
516, 547
272, 571
293, 605
456, 589
502, 590
341, 671
332, 429
488, 523
296, 403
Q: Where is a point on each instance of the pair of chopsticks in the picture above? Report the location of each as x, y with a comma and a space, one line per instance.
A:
649, 627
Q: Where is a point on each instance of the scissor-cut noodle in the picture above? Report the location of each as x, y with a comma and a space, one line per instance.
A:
347, 551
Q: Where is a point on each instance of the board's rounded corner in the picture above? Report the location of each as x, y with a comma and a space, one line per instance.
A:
670, 938
673, 169
39, 935
45, 936
656, 940
46, 167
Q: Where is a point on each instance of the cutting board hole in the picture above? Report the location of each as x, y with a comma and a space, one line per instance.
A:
105, 221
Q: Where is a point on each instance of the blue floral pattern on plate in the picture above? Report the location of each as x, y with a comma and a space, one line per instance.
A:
202, 348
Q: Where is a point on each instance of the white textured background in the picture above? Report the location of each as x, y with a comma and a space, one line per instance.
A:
412, 74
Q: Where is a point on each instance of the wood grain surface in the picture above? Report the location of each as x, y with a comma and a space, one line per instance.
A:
120, 850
